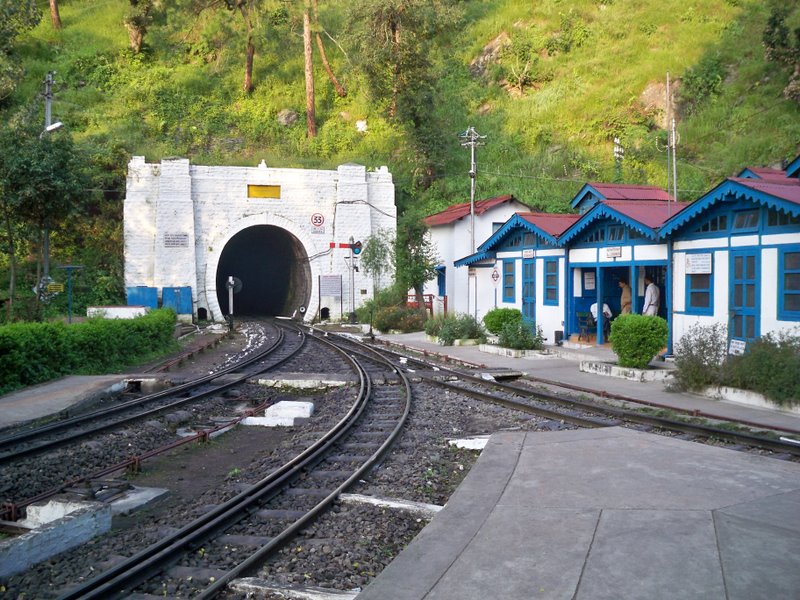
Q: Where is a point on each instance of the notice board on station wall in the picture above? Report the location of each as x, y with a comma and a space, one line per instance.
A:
330, 296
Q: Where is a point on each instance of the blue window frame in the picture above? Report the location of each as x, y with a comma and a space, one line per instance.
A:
746, 220
789, 284
508, 281
700, 292
551, 281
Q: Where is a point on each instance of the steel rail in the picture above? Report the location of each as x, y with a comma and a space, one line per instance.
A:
71, 437
10, 511
734, 437
153, 559
69, 422
258, 558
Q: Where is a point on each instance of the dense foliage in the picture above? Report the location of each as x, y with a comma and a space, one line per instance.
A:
31, 353
550, 84
495, 319
520, 335
636, 339
769, 366
454, 327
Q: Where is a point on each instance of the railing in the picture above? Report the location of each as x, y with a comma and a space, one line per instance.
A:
427, 302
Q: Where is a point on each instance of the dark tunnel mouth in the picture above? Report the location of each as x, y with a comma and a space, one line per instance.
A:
272, 265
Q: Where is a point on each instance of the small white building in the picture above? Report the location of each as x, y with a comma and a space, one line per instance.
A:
736, 256
283, 234
731, 257
526, 269
463, 290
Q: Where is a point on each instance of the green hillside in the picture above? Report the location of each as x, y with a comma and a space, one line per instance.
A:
550, 84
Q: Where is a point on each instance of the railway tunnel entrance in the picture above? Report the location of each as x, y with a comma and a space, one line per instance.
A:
273, 267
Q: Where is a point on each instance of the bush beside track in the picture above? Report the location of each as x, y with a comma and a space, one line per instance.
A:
32, 353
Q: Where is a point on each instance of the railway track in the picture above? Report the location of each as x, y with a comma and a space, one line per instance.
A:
70, 430
583, 413
275, 508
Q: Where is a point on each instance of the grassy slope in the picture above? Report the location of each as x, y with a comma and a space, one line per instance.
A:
183, 97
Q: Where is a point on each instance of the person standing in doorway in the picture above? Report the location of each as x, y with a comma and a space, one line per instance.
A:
624, 297
652, 297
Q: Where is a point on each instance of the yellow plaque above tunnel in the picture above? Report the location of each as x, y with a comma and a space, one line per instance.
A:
263, 191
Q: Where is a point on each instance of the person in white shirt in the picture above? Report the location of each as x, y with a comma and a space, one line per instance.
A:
652, 297
606, 311
607, 314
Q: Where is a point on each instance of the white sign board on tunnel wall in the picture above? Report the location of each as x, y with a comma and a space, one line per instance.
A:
179, 217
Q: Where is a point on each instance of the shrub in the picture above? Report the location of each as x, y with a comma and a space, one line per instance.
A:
519, 336
402, 318
701, 82
636, 339
770, 367
382, 299
496, 319
433, 326
459, 327
31, 353
700, 357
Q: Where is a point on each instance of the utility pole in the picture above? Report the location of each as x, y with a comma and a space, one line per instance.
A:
472, 139
48, 127
619, 154
672, 143
352, 282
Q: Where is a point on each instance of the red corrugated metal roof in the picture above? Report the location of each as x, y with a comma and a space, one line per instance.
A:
624, 191
554, 224
459, 211
766, 173
653, 213
785, 188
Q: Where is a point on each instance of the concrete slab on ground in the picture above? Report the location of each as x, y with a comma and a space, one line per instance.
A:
54, 396
609, 513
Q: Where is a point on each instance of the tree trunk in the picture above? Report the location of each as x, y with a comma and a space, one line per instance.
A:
135, 37
340, 91
396, 71
54, 16
249, 53
311, 124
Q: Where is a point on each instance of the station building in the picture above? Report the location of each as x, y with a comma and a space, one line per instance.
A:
730, 257
282, 234
454, 234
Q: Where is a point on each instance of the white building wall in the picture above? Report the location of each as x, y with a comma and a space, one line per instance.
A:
767, 289
172, 202
452, 242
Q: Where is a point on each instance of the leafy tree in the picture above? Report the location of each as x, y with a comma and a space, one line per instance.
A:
393, 39
416, 257
40, 184
16, 16
137, 20
377, 258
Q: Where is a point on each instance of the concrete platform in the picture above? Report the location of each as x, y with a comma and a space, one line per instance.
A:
53, 397
607, 514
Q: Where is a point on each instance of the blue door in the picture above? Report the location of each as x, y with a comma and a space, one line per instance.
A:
529, 289
744, 308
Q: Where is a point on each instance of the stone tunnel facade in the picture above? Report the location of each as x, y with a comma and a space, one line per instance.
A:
282, 232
